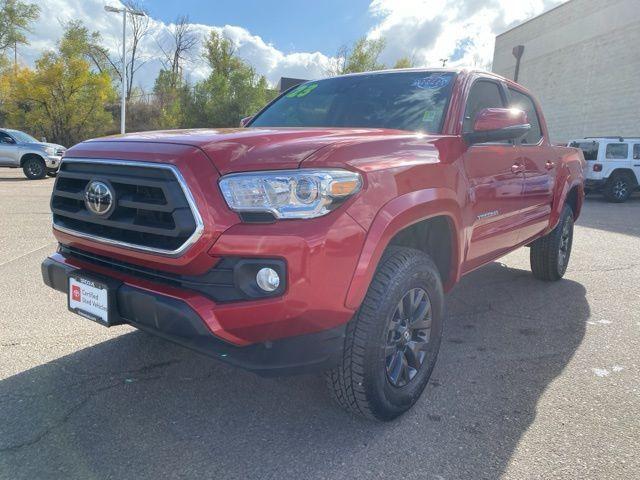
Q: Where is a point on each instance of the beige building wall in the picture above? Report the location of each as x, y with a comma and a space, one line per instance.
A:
582, 62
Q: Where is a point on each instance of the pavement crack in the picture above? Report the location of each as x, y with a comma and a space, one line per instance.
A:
63, 420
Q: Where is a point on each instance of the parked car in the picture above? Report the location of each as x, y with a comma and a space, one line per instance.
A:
613, 165
37, 159
323, 236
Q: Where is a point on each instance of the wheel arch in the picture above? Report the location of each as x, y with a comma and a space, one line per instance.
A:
429, 220
29, 155
624, 171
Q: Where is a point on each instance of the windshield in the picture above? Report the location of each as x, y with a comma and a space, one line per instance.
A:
414, 101
22, 137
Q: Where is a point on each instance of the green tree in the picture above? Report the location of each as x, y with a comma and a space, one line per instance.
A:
233, 89
15, 18
79, 41
403, 62
361, 57
171, 96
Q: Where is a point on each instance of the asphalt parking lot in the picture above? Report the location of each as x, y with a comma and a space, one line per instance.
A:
534, 380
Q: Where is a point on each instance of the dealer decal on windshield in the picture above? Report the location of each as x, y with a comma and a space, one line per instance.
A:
302, 90
432, 82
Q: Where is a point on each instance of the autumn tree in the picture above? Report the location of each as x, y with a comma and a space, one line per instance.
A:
62, 98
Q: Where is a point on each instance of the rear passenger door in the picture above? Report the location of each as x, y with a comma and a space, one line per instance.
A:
495, 182
539, 169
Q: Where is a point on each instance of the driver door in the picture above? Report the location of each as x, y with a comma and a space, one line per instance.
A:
496, 180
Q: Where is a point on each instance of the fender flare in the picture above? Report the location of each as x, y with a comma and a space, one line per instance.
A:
556, 209
396, 215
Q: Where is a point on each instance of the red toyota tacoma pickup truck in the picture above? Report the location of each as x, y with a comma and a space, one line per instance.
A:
323, 234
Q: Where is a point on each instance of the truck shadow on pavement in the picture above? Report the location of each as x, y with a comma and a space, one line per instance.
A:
138, 407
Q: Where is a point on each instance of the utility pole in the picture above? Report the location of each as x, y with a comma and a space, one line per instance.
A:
444, 62
123, 101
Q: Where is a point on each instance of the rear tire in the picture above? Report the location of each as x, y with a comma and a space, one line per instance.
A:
392, 342
549, 255
618, 188
34, 168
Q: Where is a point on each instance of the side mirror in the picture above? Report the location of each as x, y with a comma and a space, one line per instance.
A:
498, 124
43, 139
245, 121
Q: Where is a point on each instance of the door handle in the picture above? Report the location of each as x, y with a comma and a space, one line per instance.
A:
549, 165
517, 168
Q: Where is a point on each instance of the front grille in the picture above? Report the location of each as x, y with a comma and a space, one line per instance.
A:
152, 211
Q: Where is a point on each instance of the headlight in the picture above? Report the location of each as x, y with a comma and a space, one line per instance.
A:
50, 150
304, 193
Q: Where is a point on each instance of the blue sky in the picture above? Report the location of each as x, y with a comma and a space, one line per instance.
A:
319, 25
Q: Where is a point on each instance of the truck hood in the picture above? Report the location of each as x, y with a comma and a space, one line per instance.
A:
244, 149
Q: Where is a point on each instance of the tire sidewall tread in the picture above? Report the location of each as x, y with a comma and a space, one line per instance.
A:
359, 383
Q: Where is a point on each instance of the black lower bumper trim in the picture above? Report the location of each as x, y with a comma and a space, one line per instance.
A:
174, 320
594, 184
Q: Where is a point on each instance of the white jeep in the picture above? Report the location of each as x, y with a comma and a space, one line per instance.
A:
613, 165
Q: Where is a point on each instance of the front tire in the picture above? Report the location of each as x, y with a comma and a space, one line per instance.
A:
392, 342
549, 255
34, 168
618, 188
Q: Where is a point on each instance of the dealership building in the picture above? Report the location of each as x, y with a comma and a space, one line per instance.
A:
582, 61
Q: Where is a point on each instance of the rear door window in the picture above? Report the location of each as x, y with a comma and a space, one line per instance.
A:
523, 102
636, 151
617, 151
589, 149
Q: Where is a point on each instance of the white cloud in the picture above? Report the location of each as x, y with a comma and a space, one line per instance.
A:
266, 58
462, 31
424, 30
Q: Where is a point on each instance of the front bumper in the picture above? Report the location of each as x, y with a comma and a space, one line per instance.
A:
52, 162
172, 318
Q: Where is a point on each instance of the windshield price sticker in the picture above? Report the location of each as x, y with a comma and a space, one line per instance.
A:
302, 90
431, 82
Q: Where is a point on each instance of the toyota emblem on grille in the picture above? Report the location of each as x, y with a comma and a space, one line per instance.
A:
99, 198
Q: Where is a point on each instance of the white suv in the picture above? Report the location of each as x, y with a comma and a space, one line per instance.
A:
613, 165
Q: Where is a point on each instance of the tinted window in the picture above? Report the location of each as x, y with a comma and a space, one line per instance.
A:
616, 151
636, 151
589, 149
524, 102
4, 138
22, 137
415, 101
483, 94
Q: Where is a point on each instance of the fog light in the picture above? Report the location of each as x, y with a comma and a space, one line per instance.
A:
268, 279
